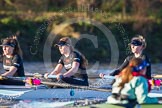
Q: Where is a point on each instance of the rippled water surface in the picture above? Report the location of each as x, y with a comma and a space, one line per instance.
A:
41, 68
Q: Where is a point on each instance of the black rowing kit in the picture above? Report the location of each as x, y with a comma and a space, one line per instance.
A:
17, 62
80, 77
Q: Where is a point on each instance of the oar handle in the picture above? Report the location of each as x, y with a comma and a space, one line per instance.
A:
157, 76
109, 77
37, 75
65, 85
52, 76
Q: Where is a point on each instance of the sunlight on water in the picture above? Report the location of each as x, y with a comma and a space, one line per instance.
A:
36, 104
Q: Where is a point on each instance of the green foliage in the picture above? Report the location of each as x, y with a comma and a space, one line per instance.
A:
26, 18
8, 20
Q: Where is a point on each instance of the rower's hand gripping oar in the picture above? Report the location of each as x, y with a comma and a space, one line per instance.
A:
109, 77
36, 81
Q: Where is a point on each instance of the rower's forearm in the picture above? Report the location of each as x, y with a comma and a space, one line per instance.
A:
54, 73
69, 73
7, 74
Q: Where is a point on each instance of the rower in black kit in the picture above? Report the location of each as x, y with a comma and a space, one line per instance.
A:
74, 63
12, 62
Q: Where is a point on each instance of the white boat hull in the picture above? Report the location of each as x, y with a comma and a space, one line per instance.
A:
31, 93
41, 92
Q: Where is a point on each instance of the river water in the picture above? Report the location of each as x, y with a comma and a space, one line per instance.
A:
39, 67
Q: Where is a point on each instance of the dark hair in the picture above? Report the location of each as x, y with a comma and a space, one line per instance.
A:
13, 40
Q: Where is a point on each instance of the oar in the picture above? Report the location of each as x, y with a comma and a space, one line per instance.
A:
12, 80
38, 75
91, 77
65, 85
157, 76
97, 76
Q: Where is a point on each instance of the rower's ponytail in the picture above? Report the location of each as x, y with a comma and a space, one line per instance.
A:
17, 49
85, 61
127, 72
126, 76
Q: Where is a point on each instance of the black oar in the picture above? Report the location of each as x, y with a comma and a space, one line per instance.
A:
12, 80
65, 85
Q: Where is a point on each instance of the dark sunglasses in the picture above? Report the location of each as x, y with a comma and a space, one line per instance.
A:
136, 43
61, 43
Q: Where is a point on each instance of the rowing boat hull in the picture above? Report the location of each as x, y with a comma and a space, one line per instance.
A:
61, 93
64, 93
52, 93
42, 92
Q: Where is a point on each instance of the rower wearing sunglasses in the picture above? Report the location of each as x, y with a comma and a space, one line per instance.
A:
137, 45
73, 62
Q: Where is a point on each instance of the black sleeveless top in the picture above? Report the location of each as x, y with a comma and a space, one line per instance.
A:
67, 63
15, 61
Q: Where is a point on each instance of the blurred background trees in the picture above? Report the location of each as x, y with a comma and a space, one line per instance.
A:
26, 17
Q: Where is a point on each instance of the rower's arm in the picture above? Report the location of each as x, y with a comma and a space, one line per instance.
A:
57, 69
11, 72
73, 70
122, 66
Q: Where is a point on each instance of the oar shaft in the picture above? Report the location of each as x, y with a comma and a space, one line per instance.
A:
97, 76
74, 86
157, 76
90, 77
113, 77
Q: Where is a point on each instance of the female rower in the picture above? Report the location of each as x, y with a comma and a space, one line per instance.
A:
131, 85
73, 61
12, 59
137, 44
